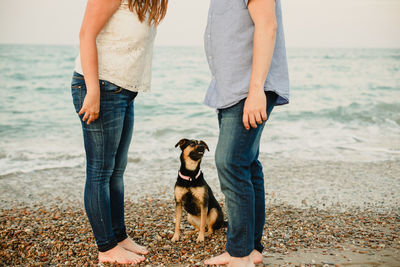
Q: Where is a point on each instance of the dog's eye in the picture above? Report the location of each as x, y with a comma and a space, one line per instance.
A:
192, 144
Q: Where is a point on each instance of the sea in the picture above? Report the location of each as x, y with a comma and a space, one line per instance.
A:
344, 107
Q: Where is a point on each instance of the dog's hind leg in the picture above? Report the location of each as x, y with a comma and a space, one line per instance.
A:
178, 217
194, 221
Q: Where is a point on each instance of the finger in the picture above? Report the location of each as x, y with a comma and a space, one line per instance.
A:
252, 120
96, 116
81, 111
258, 118
264, 115
86, 116
92, 118
246, 121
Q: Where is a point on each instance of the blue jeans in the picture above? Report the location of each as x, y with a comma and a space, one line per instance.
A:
107, 141
241, 178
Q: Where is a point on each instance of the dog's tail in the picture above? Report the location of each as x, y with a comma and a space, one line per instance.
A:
220, 224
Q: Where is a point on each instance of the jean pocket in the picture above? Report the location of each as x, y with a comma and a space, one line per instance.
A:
77, 99
77, 86
78, 82
109, 88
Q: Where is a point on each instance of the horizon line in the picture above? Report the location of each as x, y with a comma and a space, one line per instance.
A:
200, 46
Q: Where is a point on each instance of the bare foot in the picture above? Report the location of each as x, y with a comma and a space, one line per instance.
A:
219, 260
241, 262
128, 244
224, 258
257, 256
120, 255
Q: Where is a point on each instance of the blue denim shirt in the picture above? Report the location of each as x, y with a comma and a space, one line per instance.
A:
228, 41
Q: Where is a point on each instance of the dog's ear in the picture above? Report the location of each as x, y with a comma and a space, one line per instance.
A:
204, 144
181, 142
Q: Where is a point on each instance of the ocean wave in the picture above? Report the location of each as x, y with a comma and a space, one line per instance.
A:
20, 169
17, 76
379, 113
382, 87
15, 162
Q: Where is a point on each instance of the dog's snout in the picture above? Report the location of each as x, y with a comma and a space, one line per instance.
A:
200, 148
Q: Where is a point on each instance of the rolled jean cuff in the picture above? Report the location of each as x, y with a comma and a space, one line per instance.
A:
121, 237
238, 253
107, 246
259, 248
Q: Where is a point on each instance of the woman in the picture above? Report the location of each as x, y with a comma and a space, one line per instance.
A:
116, 42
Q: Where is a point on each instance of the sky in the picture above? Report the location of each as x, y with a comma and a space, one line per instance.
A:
308, 23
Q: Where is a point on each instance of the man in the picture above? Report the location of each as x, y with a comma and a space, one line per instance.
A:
245, 47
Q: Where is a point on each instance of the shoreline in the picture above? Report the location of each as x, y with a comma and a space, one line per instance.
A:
59, 235
321, 184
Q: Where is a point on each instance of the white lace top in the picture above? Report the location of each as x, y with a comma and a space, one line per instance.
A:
125, 51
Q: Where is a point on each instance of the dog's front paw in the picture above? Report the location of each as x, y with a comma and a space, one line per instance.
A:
175, 238
200, 239
208, 233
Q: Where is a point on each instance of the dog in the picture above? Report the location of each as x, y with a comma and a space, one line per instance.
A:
194, 194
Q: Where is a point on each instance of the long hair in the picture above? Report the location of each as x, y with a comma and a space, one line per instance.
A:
156, 10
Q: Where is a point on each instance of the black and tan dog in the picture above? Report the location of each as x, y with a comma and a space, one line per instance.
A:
194, 194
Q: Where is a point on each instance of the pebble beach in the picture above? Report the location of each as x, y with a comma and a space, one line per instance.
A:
304, 225
54, 236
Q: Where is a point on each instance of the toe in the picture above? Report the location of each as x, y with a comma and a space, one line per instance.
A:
143, 250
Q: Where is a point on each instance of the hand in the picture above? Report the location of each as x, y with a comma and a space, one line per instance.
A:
255, 109
90, 107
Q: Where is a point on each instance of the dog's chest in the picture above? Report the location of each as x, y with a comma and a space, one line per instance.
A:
191, 198
184, 193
